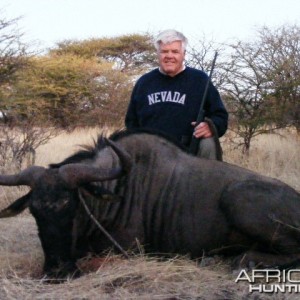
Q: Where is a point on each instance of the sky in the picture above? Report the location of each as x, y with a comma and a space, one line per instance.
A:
47, 22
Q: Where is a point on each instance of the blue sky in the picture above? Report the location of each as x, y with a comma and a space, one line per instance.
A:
47, 22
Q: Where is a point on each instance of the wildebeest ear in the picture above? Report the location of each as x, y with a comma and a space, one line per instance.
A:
100, 193
16, 207
123, 155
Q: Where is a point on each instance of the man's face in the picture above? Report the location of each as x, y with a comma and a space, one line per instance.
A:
171, 57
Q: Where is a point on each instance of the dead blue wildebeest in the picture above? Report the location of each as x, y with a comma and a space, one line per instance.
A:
142, 187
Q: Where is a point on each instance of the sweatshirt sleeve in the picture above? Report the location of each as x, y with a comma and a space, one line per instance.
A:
131, 119
216, 111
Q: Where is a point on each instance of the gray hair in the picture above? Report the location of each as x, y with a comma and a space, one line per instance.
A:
169, 36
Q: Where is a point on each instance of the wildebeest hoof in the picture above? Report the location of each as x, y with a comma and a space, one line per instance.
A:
57, 277
62, 273
209, 260
246, 261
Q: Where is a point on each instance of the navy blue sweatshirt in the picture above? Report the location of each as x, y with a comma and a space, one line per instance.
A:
170, 104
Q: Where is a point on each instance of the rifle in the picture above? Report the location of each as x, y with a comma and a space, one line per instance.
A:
200, 118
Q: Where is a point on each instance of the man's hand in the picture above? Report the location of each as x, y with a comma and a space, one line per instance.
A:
202, 130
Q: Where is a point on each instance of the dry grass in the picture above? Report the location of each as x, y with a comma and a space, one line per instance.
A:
276, 156
66, 144
140, 277
137, 278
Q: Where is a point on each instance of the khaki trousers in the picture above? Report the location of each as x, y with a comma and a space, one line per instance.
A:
210, 149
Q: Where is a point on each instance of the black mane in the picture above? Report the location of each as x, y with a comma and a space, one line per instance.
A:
89, 152
119, 134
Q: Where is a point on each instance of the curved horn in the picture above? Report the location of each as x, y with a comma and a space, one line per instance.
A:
26, 177
125, 158
16, 207
78, 174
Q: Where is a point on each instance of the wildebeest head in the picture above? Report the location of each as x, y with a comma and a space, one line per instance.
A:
53, 200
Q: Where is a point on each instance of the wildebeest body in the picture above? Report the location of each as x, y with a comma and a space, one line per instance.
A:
167, 200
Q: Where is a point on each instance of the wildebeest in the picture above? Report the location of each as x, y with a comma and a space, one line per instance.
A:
142, 187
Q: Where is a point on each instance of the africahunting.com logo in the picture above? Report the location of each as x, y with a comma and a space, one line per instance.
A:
271, 281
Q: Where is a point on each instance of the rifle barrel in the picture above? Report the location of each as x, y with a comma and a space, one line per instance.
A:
201, 114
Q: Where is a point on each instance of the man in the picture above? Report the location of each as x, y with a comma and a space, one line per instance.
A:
168, 98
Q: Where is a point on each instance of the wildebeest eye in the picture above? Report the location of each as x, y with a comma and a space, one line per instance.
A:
100, 192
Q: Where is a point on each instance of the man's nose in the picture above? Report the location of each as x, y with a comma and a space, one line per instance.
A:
169, 54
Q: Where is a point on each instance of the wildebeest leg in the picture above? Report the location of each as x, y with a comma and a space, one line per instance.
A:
266, 214
254, 259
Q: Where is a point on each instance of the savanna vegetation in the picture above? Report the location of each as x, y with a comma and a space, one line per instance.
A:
52, 102
88, 83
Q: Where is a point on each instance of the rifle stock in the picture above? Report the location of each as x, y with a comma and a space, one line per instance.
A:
195, 141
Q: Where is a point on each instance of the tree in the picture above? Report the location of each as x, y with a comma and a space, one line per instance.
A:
18, 139
281, 54
68, 91
13, 57
200, 56
129, 53
262, 83
83, 83
244, 93
18, 144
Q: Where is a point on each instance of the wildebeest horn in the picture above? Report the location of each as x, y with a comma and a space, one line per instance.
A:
25, 177
16, 207
78, 174
124, 157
